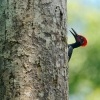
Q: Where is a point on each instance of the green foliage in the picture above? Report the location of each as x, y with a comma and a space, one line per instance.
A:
85, 62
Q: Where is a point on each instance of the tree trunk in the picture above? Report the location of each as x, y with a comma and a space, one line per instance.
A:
33, 50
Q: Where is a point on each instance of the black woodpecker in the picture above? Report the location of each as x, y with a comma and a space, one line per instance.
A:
79, 41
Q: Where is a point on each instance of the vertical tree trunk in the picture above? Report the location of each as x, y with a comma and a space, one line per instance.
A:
33, 50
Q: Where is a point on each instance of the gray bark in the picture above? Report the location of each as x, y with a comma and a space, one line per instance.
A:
33, 50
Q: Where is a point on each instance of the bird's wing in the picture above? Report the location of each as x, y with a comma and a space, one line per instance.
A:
70, 51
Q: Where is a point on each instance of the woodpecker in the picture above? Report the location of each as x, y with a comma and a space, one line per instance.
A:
80, 41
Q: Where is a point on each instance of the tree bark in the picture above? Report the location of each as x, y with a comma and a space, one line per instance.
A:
33, 50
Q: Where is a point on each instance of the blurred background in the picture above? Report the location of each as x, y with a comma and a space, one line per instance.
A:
84, 66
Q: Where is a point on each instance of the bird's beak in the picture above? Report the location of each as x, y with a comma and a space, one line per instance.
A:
73, 33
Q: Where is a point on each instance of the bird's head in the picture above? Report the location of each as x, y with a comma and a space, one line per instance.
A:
82, 41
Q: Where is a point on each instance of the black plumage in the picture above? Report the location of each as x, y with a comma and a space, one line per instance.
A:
79, 41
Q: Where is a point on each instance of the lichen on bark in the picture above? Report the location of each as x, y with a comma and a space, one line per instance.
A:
33, 50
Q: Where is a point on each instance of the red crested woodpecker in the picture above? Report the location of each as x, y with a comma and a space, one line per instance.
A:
80, 41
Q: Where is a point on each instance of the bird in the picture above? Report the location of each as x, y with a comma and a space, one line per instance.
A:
79, 41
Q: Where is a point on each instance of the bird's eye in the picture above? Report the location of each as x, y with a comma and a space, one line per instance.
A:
81, 38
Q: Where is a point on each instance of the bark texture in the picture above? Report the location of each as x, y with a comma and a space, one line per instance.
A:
33, 51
